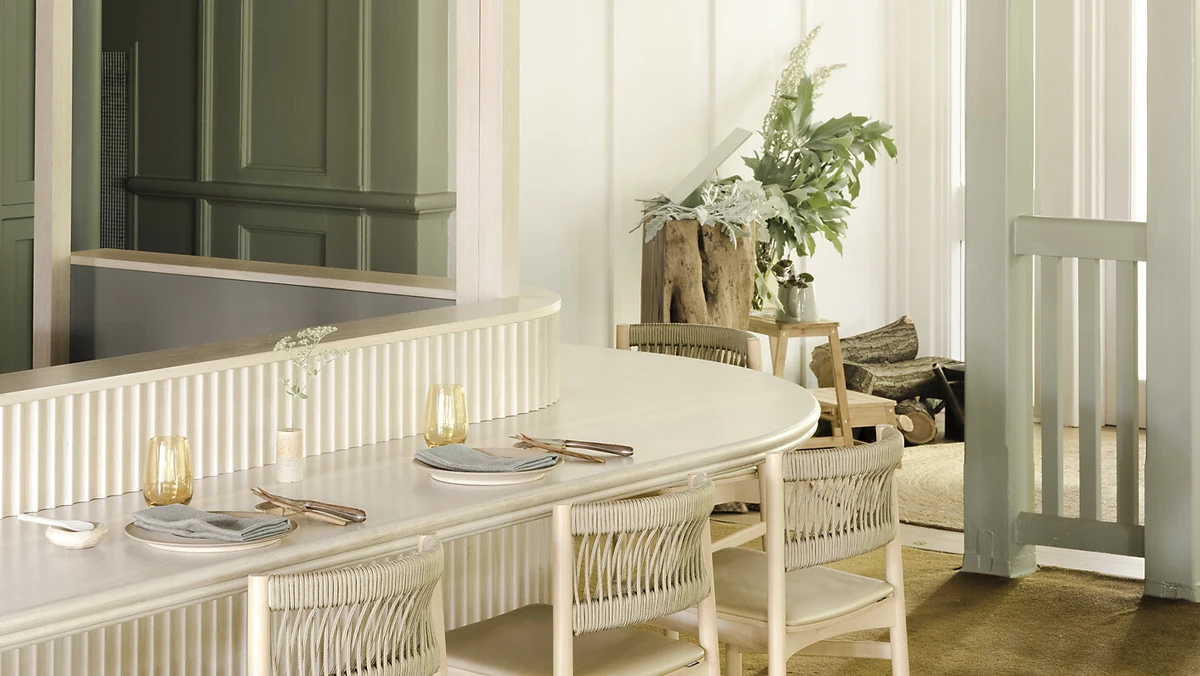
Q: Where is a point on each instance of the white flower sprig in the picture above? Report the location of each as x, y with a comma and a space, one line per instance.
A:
300, 351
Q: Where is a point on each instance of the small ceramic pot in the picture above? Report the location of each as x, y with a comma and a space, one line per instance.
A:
799, 304
289, 455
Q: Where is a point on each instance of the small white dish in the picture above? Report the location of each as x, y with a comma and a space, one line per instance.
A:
77, 539
447, 476
174, 543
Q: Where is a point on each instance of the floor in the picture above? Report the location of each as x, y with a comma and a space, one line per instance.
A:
951, 542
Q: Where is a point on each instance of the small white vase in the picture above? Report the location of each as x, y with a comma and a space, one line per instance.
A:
289, 455
808, 305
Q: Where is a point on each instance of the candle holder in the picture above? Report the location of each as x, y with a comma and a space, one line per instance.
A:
445, 415
168, 471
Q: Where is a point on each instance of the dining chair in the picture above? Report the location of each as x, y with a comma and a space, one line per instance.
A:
614, 565
820, 506
383, 618
699, 341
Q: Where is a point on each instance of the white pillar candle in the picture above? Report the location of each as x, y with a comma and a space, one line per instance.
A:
289, 455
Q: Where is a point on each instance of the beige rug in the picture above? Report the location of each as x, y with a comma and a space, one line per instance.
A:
931, 480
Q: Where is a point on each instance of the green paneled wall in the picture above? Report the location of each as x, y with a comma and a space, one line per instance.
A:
315, 96
16, 184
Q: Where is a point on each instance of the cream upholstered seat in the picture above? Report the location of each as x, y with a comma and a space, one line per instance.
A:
615, 565
820, 506
813, 594
384, 618
519, 643
698, 341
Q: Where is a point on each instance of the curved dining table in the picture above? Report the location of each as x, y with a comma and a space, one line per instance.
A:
681, 415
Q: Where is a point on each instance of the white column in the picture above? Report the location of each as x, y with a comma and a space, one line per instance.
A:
1173, 296
487, 264
52, 183
998, 474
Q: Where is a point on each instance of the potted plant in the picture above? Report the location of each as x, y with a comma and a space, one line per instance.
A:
307, 364
813, 167
796, 299
708, 256
705, 248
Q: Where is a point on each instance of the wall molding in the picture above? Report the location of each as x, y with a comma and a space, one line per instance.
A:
412, 204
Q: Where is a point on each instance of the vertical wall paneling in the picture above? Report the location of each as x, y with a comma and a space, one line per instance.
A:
212, 404
256, 115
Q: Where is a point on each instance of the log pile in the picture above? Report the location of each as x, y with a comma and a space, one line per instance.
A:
884, 363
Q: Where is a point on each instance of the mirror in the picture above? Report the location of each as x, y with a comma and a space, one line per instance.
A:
313, 132
310, 132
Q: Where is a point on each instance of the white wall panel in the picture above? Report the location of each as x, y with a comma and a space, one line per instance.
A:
619, 99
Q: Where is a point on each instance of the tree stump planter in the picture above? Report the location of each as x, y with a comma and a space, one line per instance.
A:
694, 274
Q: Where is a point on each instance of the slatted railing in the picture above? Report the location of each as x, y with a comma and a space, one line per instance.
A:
1091, 242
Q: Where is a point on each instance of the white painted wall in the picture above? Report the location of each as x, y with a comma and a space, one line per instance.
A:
620, 98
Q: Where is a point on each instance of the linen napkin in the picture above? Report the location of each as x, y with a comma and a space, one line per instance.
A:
189, 522
460, 458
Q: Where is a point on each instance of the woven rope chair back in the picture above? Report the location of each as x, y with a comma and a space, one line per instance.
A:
640, 559
372, 620
711, 343
839, 502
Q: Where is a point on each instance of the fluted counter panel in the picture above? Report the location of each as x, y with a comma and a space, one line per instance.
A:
78, 432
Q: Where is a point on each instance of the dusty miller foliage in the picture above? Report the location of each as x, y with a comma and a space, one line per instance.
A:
735, 205
308, 363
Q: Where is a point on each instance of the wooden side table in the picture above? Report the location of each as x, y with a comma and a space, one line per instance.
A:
778, 333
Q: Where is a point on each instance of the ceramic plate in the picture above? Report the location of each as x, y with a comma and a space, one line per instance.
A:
174, 543
492, 478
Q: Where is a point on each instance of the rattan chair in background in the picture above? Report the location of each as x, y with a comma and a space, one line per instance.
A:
698, 341
383, 618
615, 565
820, 506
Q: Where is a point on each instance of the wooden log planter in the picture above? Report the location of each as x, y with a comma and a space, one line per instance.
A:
693, 274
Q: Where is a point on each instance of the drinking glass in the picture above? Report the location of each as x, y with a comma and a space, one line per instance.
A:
168, 471
445, 415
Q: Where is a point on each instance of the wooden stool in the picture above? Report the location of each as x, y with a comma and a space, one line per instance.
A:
837, 413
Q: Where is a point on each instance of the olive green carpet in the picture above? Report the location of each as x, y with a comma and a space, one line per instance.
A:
1052, 622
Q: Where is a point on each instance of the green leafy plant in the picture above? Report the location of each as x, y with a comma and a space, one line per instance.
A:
787, 277
301, 350
813, 166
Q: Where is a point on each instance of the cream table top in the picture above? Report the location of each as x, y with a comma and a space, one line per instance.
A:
681, 415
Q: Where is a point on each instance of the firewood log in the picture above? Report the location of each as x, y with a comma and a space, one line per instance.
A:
924, 427
888, 344
899, 381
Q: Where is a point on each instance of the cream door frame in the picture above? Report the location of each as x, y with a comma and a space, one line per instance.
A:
53, 53
487, 37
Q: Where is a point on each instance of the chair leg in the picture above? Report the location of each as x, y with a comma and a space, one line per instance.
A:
898, 633
733, 660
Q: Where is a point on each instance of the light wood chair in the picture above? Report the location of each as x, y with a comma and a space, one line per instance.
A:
384, 618
615, 565
820, 506
699, 341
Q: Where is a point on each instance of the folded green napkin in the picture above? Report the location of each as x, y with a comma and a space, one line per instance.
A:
460, 458
188, 522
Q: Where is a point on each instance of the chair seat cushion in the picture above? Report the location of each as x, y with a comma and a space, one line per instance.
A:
813, 594
520, 643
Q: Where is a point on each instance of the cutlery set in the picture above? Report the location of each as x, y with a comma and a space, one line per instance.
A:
561, 446
336, 514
